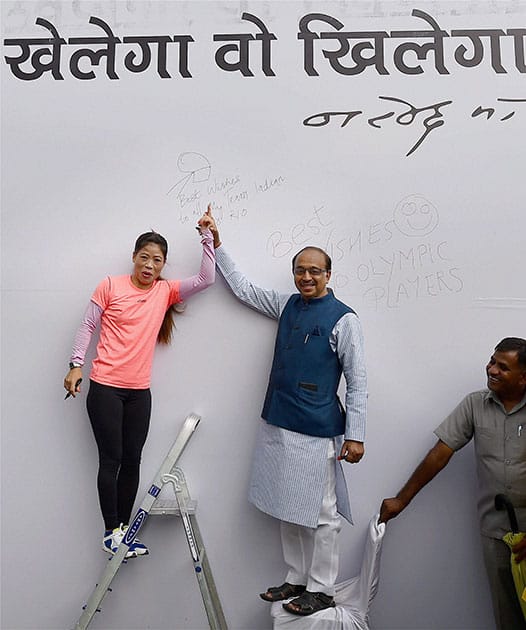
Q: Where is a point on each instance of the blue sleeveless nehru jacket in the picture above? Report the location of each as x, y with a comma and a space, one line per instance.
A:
302, 390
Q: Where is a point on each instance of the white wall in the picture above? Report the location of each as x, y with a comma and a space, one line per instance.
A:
87, 165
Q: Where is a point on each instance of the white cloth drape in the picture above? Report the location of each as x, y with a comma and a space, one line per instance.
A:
353, 597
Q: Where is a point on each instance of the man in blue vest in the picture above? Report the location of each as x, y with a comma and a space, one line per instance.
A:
305, 430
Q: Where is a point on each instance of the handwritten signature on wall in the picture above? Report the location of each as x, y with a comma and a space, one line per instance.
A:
431, 116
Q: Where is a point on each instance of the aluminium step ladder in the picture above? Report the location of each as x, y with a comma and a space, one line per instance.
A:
184, 507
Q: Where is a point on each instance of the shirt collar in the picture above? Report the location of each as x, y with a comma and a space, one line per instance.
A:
491, 396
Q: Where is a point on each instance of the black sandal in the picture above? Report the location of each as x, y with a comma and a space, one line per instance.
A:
285, 591
309, 603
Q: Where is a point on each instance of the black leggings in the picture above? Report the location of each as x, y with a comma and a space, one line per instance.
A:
120, 419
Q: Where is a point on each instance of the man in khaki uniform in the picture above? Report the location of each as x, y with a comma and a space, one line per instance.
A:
496, 419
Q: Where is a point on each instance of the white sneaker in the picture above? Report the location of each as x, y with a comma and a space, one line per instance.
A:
137, 547
112, 540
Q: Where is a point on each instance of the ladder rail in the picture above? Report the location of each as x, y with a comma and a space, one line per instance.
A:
207, 586
101, 589
203, 572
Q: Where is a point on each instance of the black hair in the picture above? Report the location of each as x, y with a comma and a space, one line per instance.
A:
514, 344
151, 237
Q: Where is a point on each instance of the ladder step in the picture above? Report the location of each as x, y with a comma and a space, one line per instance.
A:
168, 508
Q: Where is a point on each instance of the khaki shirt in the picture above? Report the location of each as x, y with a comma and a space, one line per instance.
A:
500, 448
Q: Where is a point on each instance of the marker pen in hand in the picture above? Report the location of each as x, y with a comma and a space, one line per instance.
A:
76, 385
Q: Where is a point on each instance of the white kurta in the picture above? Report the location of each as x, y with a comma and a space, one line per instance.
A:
289, 468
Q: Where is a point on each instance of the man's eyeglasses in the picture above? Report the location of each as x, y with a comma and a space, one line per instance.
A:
312, 271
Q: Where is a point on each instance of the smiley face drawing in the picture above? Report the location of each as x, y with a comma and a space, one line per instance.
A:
415, 216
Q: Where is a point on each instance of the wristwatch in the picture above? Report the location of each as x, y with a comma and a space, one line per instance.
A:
73, 364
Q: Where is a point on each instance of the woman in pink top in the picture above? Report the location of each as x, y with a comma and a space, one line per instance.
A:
134, 312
